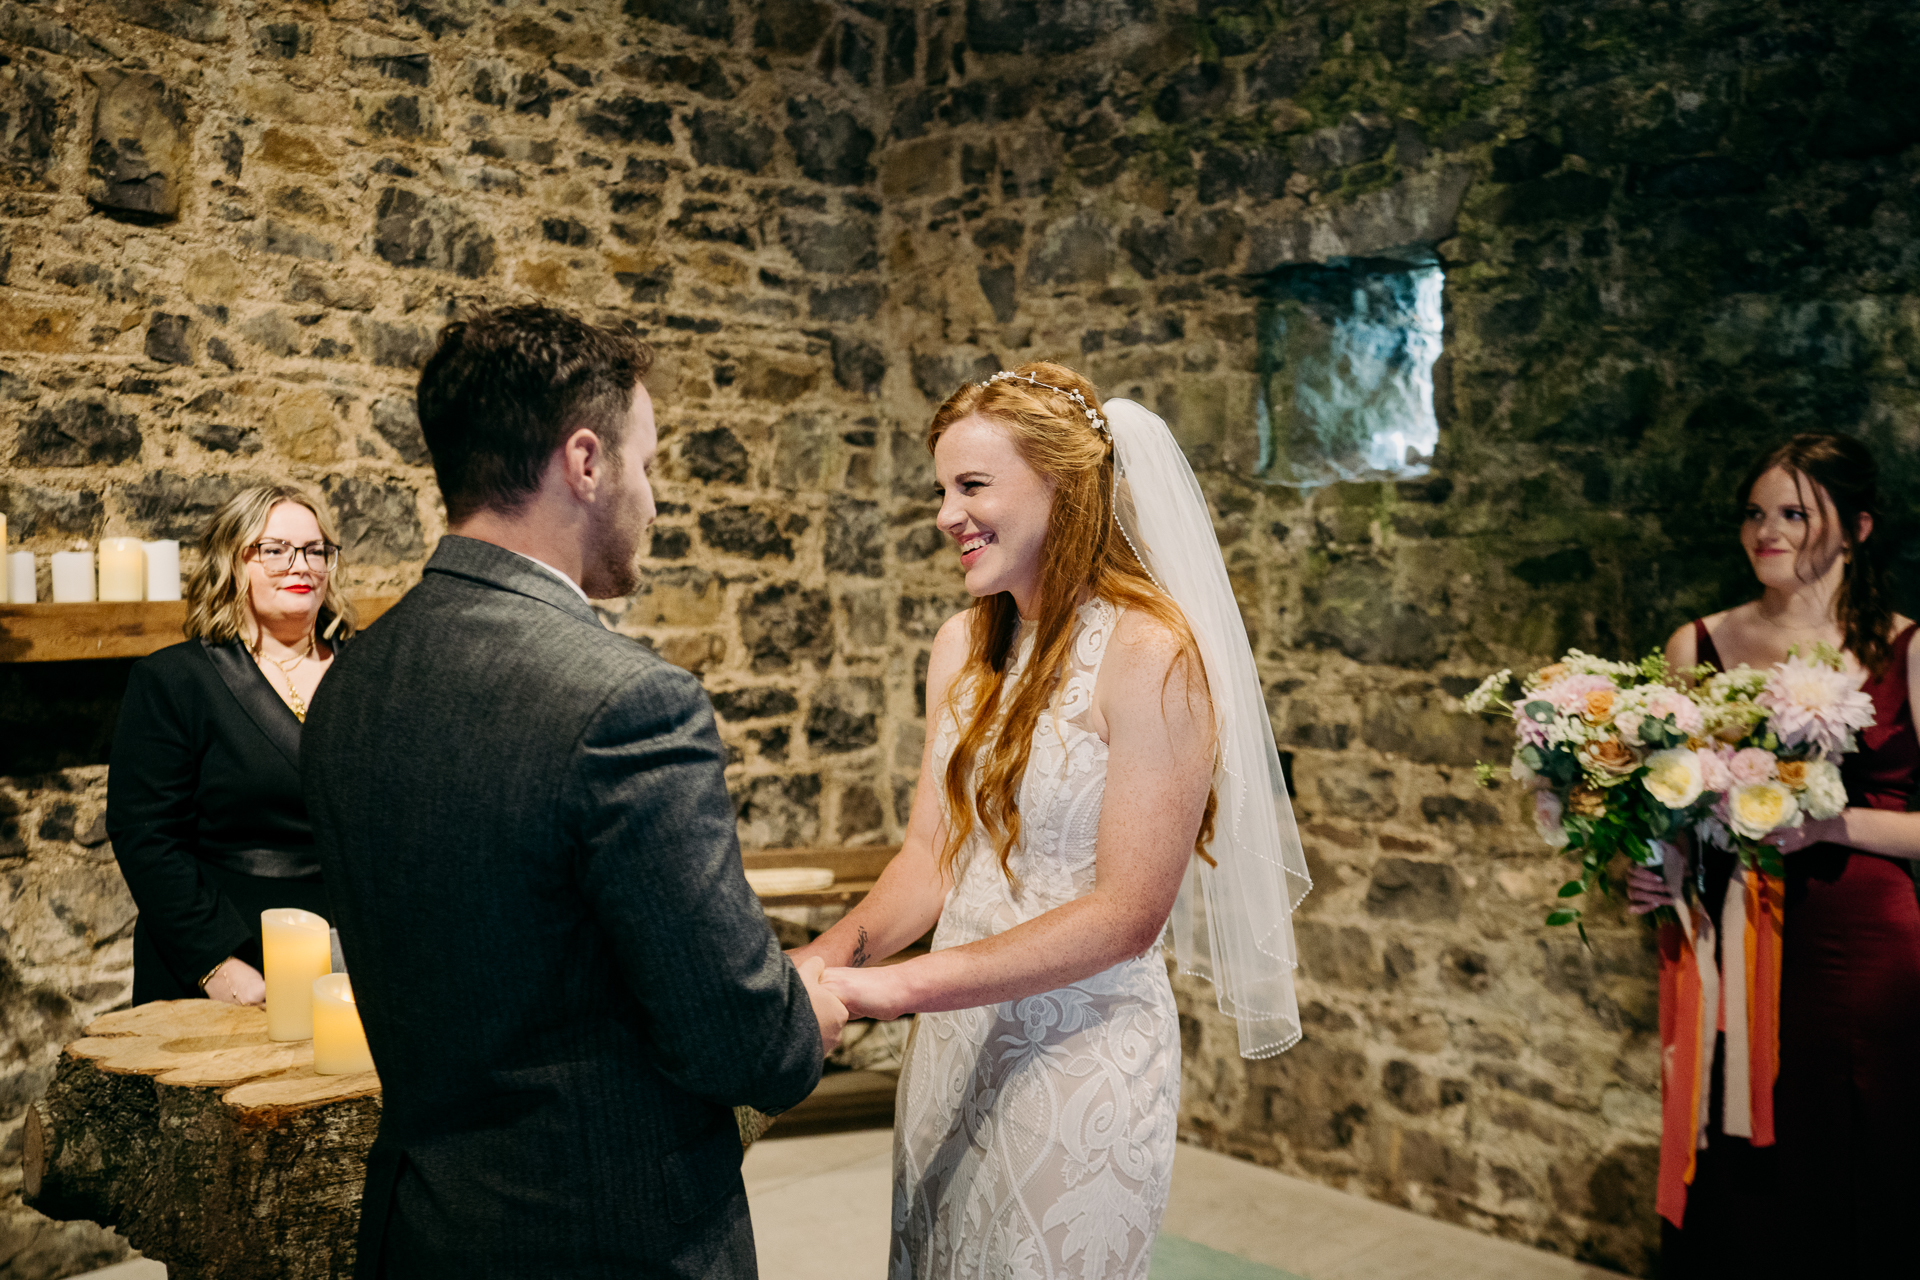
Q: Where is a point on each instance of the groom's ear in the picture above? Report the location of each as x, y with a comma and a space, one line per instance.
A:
584, 464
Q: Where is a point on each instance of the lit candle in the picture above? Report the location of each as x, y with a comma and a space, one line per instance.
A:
21, 587
72, 577
163, 569
339, 1042
123, 569
297, 947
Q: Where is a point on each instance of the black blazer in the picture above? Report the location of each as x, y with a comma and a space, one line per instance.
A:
564, 979
203, 800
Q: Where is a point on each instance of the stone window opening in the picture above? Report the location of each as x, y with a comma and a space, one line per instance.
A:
1346, 353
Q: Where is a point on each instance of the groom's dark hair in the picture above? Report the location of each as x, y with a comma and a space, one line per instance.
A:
504, 388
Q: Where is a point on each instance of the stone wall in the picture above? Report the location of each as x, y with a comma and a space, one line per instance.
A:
1667, 236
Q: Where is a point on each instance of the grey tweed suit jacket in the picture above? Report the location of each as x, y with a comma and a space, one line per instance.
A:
565, 981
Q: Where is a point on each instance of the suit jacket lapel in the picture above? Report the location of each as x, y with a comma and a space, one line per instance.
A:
257, 698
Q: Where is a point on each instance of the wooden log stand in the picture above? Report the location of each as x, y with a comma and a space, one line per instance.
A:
210, 1147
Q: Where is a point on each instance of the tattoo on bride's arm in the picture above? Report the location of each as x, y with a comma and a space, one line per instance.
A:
859, 950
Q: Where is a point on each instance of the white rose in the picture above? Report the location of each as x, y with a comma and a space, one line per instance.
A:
1674, 777
1758, 808
1824, 795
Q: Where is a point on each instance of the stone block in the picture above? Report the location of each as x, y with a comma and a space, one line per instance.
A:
856, 538
831, 146
710, 18
34, 511
844, 715
167, 339
221, 437
1315, 1095
784, 624
215, 279
1339, 955
164, 505
1048, 26
199, 23
838, 247
1420, 210
758, 703
628, 119
284, 149
715, 455
283, 40
138, 157
417, 231
729, 140
78, 432
858, 366
379, 520
774, 812
305, 427
846, 303
1076, 251
680, 597
923, 168
743, 531
781, 379
21, 26
861, 814
404, 116
863, 617
1419, 892
1354, 789
395, 59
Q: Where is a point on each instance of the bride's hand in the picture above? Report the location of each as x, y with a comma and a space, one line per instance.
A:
869, 993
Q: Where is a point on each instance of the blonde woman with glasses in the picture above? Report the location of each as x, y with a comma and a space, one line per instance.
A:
203, 792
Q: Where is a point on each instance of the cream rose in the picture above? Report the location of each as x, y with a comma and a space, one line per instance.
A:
1675, 777
1758, 808
1823, 795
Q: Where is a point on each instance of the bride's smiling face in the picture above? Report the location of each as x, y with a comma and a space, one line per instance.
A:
994, 505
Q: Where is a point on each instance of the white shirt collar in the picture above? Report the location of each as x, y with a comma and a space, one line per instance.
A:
556, 573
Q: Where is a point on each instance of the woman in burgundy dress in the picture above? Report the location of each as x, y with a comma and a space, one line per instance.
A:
1833, 1196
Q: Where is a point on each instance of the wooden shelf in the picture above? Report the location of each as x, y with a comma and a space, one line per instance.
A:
855, 869
74, 632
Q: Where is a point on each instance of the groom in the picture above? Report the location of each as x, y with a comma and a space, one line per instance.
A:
564, 979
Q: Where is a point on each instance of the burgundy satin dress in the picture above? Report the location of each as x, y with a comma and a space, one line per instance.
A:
1833, 1196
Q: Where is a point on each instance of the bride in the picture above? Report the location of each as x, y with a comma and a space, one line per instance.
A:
1099, 770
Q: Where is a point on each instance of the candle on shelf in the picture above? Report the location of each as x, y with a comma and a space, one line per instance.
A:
123, 569
297, 948
339, 1042
21, 587
72, 577
163, 569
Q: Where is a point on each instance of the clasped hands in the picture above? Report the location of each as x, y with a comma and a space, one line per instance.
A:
841, 994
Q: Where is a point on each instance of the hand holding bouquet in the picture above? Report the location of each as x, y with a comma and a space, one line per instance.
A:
1622, 760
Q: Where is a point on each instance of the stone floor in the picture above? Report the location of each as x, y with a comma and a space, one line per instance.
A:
820, 1210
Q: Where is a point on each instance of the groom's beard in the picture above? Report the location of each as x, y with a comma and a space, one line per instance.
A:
612, 567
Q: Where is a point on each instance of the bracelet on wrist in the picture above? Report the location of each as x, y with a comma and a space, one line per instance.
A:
209, 978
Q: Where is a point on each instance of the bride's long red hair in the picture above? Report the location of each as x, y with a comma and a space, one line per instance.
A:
1084, 554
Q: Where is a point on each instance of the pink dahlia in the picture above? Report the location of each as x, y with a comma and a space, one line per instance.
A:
1811, 704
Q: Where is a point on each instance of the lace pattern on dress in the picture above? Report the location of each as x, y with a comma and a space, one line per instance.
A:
1035, 1138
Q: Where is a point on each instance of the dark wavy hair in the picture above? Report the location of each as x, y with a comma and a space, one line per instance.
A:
1845, 469
505, 387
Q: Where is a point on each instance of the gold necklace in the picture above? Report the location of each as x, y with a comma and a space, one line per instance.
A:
295, 703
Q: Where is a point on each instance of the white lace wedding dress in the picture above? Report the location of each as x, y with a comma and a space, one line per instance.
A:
1034, 1138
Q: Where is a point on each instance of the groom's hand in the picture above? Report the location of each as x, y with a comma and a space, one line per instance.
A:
827, 1009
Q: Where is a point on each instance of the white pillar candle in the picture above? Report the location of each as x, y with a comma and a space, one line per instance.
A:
339, 1042
123, 569
297, 947
163, 569
72, 577
21, 587
6, 596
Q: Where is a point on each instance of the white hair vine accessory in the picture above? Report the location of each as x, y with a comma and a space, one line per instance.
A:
1094, 419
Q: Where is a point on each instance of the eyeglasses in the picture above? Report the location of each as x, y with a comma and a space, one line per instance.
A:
278, 557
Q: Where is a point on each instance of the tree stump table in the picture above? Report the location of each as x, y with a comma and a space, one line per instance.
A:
209, 1147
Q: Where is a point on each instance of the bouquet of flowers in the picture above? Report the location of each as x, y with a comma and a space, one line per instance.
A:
1775, 738
1620, 759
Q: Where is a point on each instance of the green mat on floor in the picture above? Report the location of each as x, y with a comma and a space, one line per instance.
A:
1177, 1259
